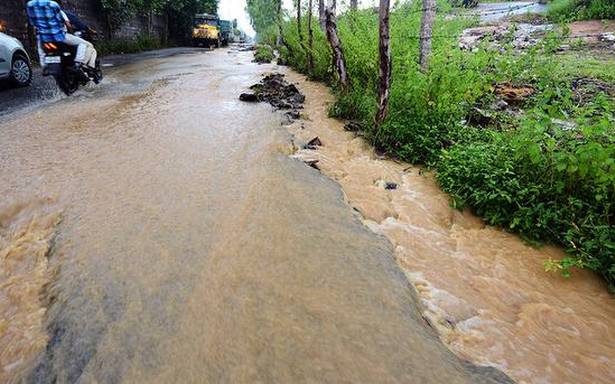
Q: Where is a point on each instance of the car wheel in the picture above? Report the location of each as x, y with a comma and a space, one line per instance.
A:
21, 71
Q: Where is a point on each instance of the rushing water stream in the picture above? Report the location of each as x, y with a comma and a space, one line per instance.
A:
484, 290
156, 230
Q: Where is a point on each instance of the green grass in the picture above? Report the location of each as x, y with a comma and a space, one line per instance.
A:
569, 10
528, 174
581, 64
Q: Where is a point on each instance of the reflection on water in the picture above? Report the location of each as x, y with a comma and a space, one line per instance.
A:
484, 290
193, 249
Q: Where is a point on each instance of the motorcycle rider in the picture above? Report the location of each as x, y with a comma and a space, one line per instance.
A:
52, 26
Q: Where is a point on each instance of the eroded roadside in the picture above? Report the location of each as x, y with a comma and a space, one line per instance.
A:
484, 290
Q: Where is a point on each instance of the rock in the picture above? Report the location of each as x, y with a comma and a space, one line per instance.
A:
249, 97
312, 163
499, 105
564, 125
608, 37
293, 115
513, 94
352, 126
390, 185
313, 144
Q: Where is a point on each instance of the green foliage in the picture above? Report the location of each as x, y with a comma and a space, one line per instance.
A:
263, 53
264, 18
546, 182
141, 43
530, 174
568, 10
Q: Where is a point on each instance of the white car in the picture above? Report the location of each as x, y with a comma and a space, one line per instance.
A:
14, 61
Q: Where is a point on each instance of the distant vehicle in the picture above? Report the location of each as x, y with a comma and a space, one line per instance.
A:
205, 30
226, 32
14, 61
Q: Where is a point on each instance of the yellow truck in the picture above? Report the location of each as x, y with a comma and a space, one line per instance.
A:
206, 30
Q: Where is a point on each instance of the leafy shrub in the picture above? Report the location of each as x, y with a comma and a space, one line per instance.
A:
263, 54
546, 182
141, 43
568, 10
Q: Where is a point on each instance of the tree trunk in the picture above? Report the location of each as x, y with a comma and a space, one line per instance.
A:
310, 57
333, 7
321, 14
281, 33
354, 5
336, 48
384, 85
427, 19
299, 22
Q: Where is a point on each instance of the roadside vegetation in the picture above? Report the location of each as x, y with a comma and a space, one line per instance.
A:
140, 44
263, 53
522, 137
569, 10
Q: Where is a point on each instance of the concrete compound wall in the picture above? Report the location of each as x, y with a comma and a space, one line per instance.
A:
13, 20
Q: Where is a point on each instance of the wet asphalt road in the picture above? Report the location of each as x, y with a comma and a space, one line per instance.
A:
44, 89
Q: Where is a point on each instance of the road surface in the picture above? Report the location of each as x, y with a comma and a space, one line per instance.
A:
154, 229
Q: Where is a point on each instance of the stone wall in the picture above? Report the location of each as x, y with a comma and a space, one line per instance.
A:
13, 20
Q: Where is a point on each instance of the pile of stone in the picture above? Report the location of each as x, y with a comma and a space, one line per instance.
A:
520, 36
275, 90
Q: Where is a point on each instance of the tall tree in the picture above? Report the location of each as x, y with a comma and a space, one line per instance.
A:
263, 14
427, 19
384, 49
321, 14
310, 57
336, 47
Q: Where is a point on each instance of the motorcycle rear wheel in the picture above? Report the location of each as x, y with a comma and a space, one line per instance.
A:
68, 83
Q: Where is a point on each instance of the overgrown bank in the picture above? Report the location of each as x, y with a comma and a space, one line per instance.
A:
542, 165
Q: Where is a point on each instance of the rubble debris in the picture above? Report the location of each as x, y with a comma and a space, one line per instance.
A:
313, 144
512, 94
352, 126
585, 89
312, 163
249, 97
275, 90
390, 185
520, 36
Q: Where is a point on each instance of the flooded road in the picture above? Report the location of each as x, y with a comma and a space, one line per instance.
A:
155, 230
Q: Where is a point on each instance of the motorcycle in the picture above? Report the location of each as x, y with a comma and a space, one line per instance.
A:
60, 63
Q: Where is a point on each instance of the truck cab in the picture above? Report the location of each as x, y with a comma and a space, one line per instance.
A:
226, 31
206, 30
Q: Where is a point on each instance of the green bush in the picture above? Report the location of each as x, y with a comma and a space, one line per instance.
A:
141, 43
545, 182
263, 53
549, 182
569, 10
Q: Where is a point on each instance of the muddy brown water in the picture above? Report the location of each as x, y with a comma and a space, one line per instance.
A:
155, 229
174, 240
